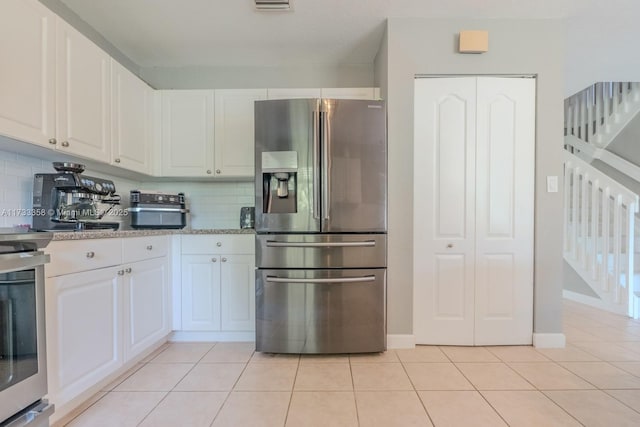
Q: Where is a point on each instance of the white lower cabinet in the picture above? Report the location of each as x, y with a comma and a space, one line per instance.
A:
201, 292
237, 293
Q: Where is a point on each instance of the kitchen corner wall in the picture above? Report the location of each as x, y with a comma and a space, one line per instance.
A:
212, 204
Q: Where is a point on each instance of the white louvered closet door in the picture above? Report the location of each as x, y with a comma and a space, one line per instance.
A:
473, 210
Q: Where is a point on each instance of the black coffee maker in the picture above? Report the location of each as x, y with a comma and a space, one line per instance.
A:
68, 200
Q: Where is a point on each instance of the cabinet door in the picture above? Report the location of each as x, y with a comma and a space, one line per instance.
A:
187, 133
237, 292
349, 93
82, 95
293, 93
201, 292
146, 305
83, 331
234, 131
131, 120
27, 49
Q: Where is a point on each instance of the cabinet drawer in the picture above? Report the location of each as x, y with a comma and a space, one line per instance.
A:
82, 255
140, 248
219, 243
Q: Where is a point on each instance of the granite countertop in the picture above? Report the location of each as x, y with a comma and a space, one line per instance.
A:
105, 234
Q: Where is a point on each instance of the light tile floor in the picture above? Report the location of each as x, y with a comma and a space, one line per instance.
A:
594, 381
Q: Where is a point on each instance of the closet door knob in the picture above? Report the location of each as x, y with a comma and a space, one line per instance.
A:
65, 143
53, 141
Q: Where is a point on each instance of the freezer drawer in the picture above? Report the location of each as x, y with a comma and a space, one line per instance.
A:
321, 250
321, 311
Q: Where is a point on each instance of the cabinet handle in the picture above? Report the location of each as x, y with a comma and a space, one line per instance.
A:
450, 245
53, 141
120, 272
149, 247
218, 171
214, 259
208, 171
117, 160
224, 260
219, 244
65, 143
127, 270
91, 254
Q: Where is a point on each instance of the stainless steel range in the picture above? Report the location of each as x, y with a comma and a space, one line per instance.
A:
23, 356
321, 224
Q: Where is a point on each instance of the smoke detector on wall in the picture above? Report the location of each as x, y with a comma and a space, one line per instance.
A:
274, 5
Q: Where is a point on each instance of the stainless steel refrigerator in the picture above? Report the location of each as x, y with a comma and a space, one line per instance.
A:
321, 226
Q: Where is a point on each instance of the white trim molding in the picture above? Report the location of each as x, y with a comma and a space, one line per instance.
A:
556, 340
212, 336
400, 341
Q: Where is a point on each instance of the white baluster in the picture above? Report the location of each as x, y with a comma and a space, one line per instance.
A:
598, 100
584, 220
606, 221
617, 212
583, 117
594, 229
574, 213
589, 116
631, 216
616, 101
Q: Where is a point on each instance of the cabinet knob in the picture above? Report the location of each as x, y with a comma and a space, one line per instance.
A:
65, 143
214, 259
53, 141
224, 260
219, 244
450, 245
91, 254
218, 171
127, 270
120, 272
208, 171
117, 160
149, 247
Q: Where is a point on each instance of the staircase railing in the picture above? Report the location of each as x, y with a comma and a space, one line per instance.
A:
599, 233
598, 113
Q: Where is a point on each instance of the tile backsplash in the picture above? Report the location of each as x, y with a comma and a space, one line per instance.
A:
211, 204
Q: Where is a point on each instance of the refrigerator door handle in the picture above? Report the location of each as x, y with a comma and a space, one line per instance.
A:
273, 279
276, 244
326, 180
316, 165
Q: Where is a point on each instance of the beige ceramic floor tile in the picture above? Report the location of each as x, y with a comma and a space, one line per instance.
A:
254, 409
633, 346
274, 358
183, 353
267, 377
230, 352
631, 367
595, 408
493, 376
113, 384
211, 377
575, 335
422, 353
528, 409
608, 333
550, 376
609, 352
389, 408
324, 377
436, 376
193, 409
380, 376
155, 377
80, 409
324, 358
118, 409
155, 353
603, 375
517, 353
469, 354
631, 398
384, 357
568, 354
459, 408
322, 409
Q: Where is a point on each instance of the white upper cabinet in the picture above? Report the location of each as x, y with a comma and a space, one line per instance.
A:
234, 131
289, 93
187, 133
131, 120
82, 95
349, 93
27, 49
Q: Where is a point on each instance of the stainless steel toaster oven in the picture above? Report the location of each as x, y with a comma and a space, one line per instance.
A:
155, 210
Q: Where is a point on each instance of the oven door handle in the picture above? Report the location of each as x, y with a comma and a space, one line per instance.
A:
273, 279
23, 260
34, 415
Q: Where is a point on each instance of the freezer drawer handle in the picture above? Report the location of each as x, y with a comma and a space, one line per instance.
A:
276, 244
337, 280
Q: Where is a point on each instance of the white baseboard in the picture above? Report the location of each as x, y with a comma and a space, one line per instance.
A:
400, 341
549, 340
205, 336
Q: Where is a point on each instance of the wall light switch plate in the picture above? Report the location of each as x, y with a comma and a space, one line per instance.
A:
552, 184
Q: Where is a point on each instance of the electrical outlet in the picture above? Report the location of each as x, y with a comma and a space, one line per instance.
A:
552, 184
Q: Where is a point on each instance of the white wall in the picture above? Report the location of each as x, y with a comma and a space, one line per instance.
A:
420, 46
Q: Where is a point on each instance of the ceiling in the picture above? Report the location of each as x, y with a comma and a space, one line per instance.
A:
224, 33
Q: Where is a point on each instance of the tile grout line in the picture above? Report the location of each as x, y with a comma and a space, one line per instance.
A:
295, 378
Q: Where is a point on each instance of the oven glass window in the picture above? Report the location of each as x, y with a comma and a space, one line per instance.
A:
18, 327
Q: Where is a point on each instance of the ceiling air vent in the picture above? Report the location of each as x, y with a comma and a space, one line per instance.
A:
274, 5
